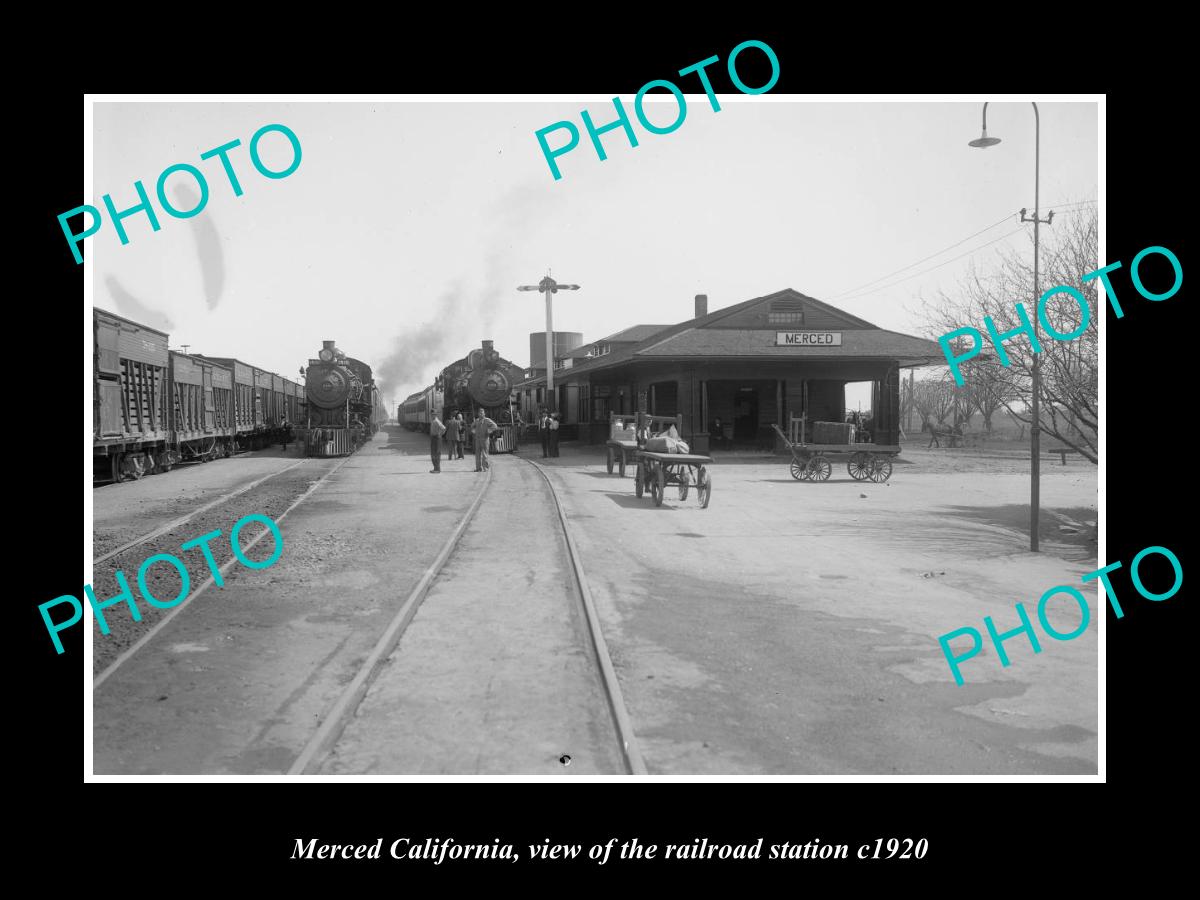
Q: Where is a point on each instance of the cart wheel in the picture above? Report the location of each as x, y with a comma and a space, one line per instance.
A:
819, 469
621, 464
704, 489
797, 469
859, 466
640, 486
881, 470
610, 460
658, 486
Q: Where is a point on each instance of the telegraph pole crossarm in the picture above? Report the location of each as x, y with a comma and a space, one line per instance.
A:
549, 287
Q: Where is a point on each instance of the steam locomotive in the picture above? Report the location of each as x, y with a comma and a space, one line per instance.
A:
344, 405
480, 379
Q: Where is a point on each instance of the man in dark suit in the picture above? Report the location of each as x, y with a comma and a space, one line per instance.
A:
544, 432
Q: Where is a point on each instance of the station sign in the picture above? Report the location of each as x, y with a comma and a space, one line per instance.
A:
808, 339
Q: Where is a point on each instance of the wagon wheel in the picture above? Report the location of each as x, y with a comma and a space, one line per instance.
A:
819, 469
658, 486
704, 488
798, 469
640, 486
881, 470
611, 461
859, 466
621, 464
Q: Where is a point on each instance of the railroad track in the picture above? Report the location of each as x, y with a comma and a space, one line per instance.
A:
161, 622
335, 721
183, 520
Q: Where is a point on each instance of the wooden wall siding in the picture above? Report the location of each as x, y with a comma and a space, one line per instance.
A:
192, 414
826, 401
144, 398
133, 341
244, 406
222, 409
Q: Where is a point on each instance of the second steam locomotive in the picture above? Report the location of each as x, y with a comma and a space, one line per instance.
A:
480, 379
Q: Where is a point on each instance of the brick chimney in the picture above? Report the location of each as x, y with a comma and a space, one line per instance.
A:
701, 305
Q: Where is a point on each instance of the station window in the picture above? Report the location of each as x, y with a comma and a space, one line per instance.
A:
785, 318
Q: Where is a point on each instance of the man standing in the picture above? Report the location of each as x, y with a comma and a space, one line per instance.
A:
462, 435
436, 430
480, 431
453, 436
544, 433
552, 428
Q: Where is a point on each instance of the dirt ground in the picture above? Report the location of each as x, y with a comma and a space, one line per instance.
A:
792, 627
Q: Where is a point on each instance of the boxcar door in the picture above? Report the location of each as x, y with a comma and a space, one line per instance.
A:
210, 410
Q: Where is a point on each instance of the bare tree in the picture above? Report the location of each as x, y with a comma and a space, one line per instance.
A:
1069, 368
934, 401
988, 388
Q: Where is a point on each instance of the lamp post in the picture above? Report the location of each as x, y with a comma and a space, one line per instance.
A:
549, 287
983, 142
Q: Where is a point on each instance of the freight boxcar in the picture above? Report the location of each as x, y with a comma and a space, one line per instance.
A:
259, 402
202, 408
130, 406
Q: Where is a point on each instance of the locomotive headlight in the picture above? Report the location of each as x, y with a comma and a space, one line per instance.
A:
326, 355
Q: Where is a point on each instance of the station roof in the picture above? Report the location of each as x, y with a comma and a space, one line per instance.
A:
635, 334
747, 331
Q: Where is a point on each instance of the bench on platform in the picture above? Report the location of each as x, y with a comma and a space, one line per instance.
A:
1062, 452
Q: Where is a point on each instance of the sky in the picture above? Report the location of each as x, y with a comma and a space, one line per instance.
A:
407, 226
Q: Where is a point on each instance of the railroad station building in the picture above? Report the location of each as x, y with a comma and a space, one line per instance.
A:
768, 360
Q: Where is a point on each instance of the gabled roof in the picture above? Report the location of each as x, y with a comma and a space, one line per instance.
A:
637, 333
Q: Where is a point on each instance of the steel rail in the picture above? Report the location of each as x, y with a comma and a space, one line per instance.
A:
616, 702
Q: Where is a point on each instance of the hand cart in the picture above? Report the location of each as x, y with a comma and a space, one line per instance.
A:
866, 462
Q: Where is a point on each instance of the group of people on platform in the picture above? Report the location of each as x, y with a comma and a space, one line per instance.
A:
548, 433
455, 432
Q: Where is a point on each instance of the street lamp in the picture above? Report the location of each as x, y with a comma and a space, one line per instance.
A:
549, 287
983, 142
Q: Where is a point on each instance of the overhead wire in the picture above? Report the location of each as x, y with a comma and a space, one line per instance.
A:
855, 293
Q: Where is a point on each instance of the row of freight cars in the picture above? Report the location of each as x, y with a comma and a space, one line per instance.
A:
154, 407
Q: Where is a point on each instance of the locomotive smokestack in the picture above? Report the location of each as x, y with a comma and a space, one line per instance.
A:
487, 345
327, 345
701, 305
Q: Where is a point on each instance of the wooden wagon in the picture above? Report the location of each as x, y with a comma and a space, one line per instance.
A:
865, 462
622, 441
623, 436
656, 470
